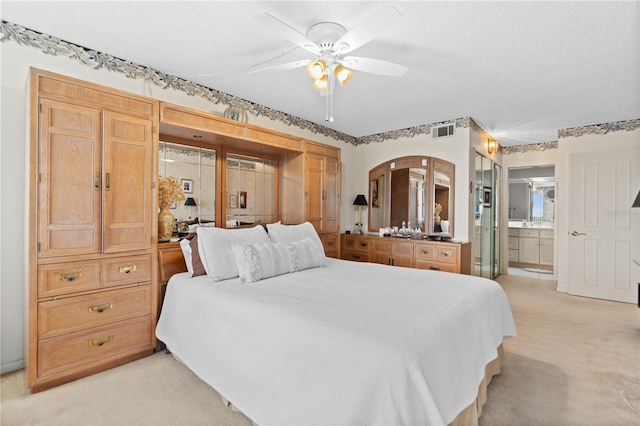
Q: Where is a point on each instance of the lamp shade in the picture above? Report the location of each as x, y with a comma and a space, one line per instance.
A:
636, 203
360, 200
190, 202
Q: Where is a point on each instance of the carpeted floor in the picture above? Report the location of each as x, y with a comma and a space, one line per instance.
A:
573, 363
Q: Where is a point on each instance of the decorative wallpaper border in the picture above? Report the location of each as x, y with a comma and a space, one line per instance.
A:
97, 60
514, 149
600, 129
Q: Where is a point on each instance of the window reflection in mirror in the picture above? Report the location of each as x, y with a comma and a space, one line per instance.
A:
195, 168
251, 190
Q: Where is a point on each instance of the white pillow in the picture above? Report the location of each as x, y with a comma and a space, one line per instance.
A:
214, 246
279, 233
261, 260
305, 254
186, 252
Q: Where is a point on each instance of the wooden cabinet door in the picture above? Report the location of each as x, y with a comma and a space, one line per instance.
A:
128, 144
69, 152
546, 251
402, 254
331, 199
315, 191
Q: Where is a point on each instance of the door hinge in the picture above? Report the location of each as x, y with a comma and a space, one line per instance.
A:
39, 177
40, 108
38, 246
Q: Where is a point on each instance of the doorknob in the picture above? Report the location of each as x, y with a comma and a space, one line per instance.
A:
576, 233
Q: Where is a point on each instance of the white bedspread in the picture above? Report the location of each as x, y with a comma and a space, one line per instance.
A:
349, 343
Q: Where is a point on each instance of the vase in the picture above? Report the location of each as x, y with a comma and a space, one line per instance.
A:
165, 224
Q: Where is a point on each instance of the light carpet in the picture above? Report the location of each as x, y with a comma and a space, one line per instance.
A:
573, 361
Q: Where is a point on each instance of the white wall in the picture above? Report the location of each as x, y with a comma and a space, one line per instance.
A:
14, 69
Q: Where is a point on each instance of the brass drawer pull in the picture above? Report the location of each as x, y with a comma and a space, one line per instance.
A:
355, 256
71, 276
330, 243
100, 341
100, 308
108, 181
96, 181
127, 269
425, 251
363, 245
446, 253
434, 268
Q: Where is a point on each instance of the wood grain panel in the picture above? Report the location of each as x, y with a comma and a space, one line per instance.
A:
73, 353
76, 313
69, 164
69, 277
126, 270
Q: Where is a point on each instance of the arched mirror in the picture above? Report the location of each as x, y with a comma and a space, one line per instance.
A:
415, 190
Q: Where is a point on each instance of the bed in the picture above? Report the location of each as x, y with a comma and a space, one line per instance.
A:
342, 343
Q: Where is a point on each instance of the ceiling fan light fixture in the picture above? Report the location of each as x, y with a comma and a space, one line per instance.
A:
321, 83
316, 69
342, 74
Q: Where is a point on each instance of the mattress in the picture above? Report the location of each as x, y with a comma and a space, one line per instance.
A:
347, 343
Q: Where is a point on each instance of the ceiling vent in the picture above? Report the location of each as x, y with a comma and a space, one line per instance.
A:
442, 131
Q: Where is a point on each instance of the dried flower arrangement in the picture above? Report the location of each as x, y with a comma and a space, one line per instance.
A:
169, 191
437, 208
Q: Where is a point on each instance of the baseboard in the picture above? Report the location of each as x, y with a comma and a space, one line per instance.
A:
8, 367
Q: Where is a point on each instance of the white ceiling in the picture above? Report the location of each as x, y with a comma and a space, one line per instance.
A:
522, 70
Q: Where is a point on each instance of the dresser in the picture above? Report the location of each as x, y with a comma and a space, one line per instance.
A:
420, 254
90, 297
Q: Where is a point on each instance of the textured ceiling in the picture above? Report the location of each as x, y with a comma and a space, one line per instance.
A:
522, 70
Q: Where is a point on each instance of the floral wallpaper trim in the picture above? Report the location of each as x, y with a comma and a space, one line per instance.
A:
514, 149
600, 129
97, 60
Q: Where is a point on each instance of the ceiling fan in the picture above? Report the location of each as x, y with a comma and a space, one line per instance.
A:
331, 43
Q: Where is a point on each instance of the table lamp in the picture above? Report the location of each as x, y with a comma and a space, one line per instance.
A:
191, 203
359, 201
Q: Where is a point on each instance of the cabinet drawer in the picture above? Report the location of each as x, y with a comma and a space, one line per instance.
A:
329, 243
127, 270
513, 232
68, 277
355, 243
85, 349
355, 256
76, 313
425, 252
447, 254
528, 233
546, 233
436, 266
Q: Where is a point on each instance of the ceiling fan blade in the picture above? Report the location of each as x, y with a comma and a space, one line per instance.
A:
288, 32
374, 66
283, 67
369, 29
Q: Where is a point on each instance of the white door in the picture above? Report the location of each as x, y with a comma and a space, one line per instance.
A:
604, 232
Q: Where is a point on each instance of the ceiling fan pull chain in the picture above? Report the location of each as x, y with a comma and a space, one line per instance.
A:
329, 101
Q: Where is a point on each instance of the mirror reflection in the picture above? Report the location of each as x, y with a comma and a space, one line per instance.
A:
251, 189
441, 186
195, 168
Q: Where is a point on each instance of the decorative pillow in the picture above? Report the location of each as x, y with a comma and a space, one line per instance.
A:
261, 260
189, 247
304, 254
279, 233
214, 245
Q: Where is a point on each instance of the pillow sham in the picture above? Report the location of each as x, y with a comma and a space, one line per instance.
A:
214, 245
279, 233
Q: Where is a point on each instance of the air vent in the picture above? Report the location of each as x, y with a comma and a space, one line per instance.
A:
442, 131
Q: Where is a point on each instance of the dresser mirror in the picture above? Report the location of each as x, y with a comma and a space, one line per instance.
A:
416, 190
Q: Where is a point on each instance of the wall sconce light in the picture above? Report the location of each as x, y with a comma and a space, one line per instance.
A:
492, 146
